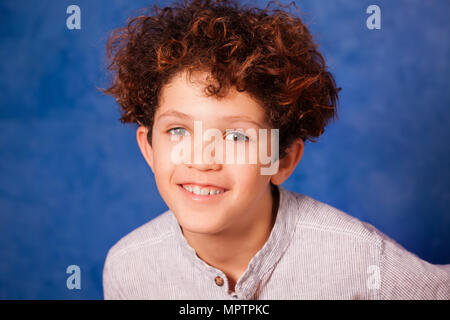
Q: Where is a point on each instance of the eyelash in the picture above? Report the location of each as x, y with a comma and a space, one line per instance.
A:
228, 132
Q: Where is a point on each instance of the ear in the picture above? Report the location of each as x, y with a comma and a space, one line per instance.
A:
289, 162
146, 148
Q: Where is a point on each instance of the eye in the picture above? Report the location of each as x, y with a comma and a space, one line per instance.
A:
236, 136
179, 131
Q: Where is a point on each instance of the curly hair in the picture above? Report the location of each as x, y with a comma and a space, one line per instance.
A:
267, 53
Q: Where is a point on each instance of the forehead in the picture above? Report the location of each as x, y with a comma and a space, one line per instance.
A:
186, 95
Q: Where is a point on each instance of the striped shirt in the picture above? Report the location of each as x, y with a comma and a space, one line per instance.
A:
314, 251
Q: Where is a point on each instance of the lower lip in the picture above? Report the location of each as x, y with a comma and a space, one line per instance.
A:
201, 198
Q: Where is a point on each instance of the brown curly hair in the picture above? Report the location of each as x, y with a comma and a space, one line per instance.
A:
267, 53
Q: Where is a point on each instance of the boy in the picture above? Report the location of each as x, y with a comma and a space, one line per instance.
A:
231, 231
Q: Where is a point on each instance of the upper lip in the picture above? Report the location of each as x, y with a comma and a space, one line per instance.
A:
203, 185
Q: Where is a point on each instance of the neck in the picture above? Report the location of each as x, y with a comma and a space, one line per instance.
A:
231, 250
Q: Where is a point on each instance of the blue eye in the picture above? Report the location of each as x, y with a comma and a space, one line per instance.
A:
179, 131
236, 136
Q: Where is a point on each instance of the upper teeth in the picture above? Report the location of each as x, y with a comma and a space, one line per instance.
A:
202, 191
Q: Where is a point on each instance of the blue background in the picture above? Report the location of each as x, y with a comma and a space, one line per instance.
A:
73, 181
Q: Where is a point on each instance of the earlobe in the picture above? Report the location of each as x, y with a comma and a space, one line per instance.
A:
289, 162
144, 145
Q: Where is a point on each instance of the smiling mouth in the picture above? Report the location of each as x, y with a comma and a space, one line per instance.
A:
202, 191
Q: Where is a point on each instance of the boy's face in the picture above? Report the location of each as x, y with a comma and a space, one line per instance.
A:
245, 192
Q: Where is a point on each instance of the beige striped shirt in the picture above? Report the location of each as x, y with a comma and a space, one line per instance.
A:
314, 251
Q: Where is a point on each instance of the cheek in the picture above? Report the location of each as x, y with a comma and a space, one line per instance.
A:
247, 177
161, 158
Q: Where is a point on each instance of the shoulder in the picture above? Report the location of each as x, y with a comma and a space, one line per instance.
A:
135, 257
149, 234
340, 236
406, 276
324, 218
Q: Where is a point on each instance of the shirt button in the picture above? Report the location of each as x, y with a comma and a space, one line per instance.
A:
219, 281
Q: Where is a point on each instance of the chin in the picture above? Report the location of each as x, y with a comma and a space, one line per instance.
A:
200, 226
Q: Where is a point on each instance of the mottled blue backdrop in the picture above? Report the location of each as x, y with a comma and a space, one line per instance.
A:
73, 181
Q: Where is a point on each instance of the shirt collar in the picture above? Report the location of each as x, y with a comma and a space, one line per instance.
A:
264, 260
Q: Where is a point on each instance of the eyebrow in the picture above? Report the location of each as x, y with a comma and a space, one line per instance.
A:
174, 113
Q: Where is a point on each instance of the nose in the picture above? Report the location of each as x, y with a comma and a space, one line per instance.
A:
204, 158
204, 166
